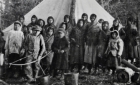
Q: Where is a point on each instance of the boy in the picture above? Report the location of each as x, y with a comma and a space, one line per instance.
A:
34, 46
13, 45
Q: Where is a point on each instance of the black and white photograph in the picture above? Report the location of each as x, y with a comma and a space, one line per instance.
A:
69, 42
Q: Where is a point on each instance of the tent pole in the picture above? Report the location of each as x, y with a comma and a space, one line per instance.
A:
72, 12
139, 22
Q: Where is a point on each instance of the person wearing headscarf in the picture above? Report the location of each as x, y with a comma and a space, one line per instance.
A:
60, 48
67, 21
50, 23
85, 19
49, 39
34, 46
117, 26
114, 51
103, 42
22, 21
14, 42
65, 27
77, 46
41, 23
91, 40
34, 20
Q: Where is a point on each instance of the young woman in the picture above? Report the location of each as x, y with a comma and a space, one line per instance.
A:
33, 20
117, 26
91, 39
50, 23
114, 51
77, 46
60, 48
41, 23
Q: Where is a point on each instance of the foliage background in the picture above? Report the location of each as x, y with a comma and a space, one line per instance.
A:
117, 8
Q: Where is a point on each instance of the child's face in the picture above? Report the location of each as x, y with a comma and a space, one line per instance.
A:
66, 20
116, 23
61, 34
21, 20
16, 27
25, 29
33, 20
50, 21
81, 23
50, 32
36, 33
84, 18
92, 18
114, 35
30, 29
105, 27
41, 23
64, 26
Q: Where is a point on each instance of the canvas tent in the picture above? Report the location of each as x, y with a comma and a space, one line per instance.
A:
59, 8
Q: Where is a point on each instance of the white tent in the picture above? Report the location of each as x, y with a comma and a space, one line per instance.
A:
59, 8
54, 8
90, 7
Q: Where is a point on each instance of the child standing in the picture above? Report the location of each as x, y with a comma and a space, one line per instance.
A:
114, 51
49, 39
34, 46
60, 48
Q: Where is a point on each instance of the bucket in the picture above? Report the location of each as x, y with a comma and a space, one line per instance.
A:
71, 78
43, 80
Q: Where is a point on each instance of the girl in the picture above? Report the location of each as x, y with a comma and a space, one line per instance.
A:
60, 48
114, 51
49, 39
77, 46
64, 26
103, 42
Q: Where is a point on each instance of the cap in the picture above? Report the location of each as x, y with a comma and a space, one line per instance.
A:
37, 28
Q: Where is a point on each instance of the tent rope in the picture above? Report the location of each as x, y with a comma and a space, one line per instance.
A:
29, 62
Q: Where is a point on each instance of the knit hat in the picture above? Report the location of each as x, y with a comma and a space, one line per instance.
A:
37, 28
61, 30
17, 22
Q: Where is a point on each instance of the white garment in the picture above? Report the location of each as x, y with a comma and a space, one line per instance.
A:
14, 41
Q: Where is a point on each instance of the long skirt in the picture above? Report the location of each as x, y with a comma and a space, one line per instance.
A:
90, 54
112, 61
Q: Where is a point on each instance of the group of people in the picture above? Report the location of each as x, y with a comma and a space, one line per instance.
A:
83, 46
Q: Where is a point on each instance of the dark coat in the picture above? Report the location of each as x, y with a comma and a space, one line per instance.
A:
48, 43
130, 42
60, 60
103, 42
91, 39
76, 46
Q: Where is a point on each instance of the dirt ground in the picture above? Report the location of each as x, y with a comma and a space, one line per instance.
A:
85, 79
